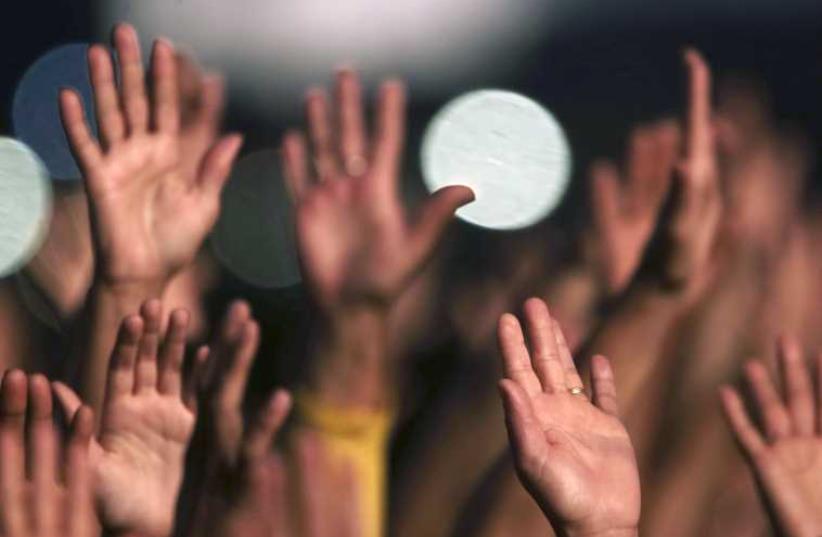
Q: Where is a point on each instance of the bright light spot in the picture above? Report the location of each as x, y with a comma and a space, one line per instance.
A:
35, 111
254, 236
25, 204
511, 151
271, 50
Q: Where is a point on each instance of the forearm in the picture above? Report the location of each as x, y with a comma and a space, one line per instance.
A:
634, 336
108, 303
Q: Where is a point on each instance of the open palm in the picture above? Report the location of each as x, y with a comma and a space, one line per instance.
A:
355, 239
139, 181
574, 457
787, 460
626, 211
146, 425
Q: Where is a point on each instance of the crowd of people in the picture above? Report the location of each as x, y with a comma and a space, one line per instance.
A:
590, 386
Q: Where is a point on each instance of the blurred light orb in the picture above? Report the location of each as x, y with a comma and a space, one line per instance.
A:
254, 236
271, 50
25, 204
510, 150
35, 110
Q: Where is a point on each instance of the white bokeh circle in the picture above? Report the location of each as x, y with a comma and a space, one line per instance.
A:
25, 204
510, 150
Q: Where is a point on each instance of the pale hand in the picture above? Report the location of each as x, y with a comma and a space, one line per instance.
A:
146, 424
574, 456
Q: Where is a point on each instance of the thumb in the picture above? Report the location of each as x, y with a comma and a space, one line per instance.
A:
69, 400
217, 163
434, 216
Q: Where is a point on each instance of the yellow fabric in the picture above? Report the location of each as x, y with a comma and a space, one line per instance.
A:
359, 437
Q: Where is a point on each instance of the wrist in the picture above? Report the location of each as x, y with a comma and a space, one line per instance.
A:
350, 364
610, 532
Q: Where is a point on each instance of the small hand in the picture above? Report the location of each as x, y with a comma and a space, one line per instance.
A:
573, 456
146, 424
42, 506
787, 459
626, 211
240, 481
154, 190
356, 242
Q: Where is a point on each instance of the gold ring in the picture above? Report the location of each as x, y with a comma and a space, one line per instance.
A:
577, 390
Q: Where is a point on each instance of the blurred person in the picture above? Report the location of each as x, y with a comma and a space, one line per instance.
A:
765, 277
674, 272
360, 252
153, 187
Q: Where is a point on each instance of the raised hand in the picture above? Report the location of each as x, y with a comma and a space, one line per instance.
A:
356, 242
573, 456
154, 190
237, 479
785, 453
681, 257
626, 209
42, 505
146, 424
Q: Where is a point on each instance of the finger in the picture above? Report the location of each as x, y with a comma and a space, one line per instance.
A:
110, 121
819, 392
390, 131
212, 101
295, 165
166, 106
516, 361
132, 78
604, 387
434, 218
524, 431
42, 458
641, 157
69, 401
12, 459
774, 415
605, 195
173, 353
145, 375
667, 149
319, 130
269, 421
572, 378
798, 388
746, 435
83, 145
193, 383
352, 123
544, 352
699, 138
217, 164
241, 358
124, 357
79, 506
